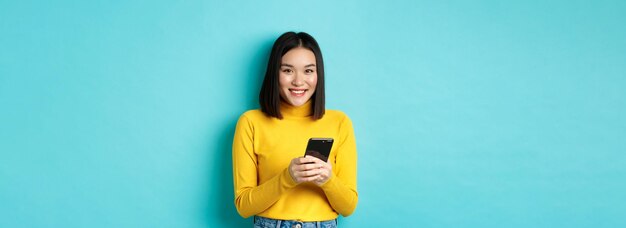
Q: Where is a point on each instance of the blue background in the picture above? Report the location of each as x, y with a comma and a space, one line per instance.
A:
467, 113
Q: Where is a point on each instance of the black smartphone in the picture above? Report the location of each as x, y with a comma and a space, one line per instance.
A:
319, 148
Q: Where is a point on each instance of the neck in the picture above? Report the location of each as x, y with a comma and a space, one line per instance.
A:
288, 110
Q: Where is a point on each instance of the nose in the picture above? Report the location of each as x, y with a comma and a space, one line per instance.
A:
298, 80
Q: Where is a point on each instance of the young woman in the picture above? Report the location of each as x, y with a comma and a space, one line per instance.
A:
273, 179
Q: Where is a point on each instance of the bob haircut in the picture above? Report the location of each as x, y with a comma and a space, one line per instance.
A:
269, 98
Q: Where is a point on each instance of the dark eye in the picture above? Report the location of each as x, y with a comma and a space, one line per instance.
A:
308, 71
287, 70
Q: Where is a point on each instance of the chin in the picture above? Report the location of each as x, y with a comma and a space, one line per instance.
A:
298, 102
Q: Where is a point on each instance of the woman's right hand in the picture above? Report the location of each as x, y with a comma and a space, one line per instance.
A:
304, 169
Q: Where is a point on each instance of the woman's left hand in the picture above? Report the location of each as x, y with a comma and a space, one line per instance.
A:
325, 171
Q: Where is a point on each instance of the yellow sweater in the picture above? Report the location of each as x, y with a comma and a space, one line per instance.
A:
263, 147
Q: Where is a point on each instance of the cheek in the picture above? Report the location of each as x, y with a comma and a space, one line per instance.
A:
283, 81
313, 81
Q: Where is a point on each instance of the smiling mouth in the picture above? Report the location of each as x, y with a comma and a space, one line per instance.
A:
297, 92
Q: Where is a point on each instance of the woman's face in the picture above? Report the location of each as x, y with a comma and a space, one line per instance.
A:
297, 76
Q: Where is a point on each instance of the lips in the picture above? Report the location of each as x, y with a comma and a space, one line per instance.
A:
297, 92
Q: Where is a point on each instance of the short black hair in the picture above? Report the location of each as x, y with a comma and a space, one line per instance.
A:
269, 98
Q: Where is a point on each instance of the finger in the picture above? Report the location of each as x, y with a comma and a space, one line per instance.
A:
305, 179
308, 173
308, 159
309, 179
315, 159
309, 166
328, 168
327, 165
297, 161
323, 173
300, 168
322, 164
323, 178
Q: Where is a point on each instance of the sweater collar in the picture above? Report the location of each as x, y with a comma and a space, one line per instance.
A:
288, 110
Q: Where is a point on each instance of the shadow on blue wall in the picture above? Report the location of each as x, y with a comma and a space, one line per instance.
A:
221, 170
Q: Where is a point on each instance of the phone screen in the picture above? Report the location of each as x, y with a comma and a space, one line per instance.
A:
319, 148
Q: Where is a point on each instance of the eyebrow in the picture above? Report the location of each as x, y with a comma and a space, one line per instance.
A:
289, 65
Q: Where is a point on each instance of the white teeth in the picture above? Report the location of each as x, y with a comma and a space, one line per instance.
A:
297, 91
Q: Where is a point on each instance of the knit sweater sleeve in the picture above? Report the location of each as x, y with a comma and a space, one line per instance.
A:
251, 198
340, 189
